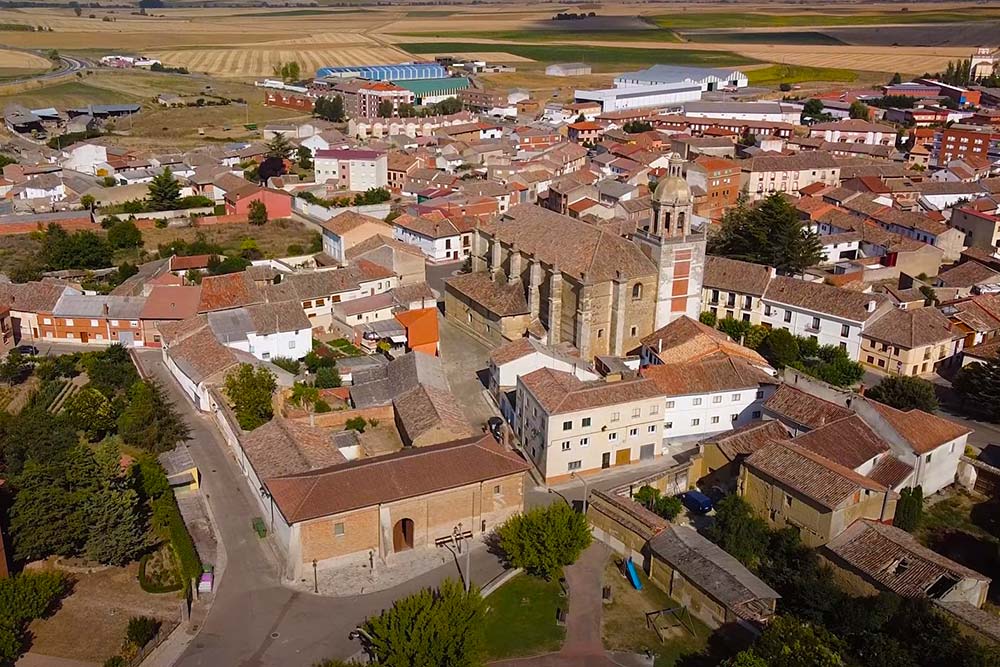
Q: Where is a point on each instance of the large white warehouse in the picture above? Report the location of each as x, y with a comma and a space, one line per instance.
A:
707, 78
662, 96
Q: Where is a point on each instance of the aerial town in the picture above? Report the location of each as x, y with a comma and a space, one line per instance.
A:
465, 334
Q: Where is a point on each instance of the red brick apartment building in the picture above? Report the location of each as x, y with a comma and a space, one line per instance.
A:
960, 141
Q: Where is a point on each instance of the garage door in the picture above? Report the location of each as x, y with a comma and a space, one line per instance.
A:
647, 452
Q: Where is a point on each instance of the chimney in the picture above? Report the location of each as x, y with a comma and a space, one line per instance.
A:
106, 309
871, 306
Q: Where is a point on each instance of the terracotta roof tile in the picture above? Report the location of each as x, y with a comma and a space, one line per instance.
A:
706, 376
499, 297
749, 438
284, 447
735, 276
848, 441
925, 432
821, 298
910, 328
802, 408
686, 340
560, 392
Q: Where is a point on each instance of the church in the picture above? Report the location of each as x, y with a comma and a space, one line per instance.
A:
566, 281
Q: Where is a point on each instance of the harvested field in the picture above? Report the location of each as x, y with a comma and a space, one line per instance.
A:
747, 37
260, 61
604, 57
878, 59
723, 18
650, 34
22, 60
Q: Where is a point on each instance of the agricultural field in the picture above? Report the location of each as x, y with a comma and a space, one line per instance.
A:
260, 60
742, 37
723, 18
774, 75
606, 58
16, 64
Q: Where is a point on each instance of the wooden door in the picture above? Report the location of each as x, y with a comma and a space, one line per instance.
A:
84, 336
402, 535
623, 457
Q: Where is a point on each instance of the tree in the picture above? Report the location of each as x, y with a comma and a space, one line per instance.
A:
896, 79
330, 108
306, 396
117, 531
250, 391
812, 112
780, 348
304, 157
150, 421
80, 250
790, 642
356, 424
739, 531
87, 202
327, 377
386, 109
978, 387
164, 191
15, 368
124, 234
650, 497
544, 540
909, 508
442, 628
91, 413
709, 318
289, 71
278, 146
905, 393
111, 370
447, 107
257, 213
770, 233
859, 110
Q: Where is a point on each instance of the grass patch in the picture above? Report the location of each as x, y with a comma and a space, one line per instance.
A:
709, 20
68, 94
429, 13
529, 35
773, 75
607, 56
793, 38
623, 627
522, 618
273, 238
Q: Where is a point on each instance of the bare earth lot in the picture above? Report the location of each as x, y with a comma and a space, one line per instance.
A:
90, 624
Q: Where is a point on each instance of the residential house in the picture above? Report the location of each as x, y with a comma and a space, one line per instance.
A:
789, 485
855, 131
402, 259
717, 180
352, 169
734, 289
722, 454
277, 202
266, 330
167, 303
94, 319
441, 239
568, 426
766, 174
914, 341
346, 230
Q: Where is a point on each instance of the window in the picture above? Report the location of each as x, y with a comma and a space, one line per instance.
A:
46, 321
695, 422
788, 316
756, 414
760, 393
134, 323
951, 448
843, 346
585, 422
788, 500
871, 359
574, 465
717, 399
633, 331
565, 445
654, 409
667, 425
338, 529
767, 311
496, 490
633, 432
584, 442
670, 404
928, 459
637, 291
612, 436
615, 416
636, 412
696, 401
651, 428
307, 304
291, 345
737, 397
815, 323
94, 323
845, 330
567, 425
733, 417
69, 322
715, 420
114, 323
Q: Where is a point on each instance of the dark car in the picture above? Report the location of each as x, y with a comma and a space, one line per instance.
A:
697, 502
28, 350
495, 425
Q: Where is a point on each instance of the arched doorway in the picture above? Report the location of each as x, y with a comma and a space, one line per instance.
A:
402, 535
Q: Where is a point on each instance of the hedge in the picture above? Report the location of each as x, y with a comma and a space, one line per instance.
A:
148, 586
170, 526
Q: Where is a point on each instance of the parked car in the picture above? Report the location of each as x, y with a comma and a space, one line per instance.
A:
28, 350
697, 502
495, 426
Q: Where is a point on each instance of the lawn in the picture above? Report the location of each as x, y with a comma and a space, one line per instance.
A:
624, 628
774, 75
521, 618
709, 20
966, 528
15, 249
602, 56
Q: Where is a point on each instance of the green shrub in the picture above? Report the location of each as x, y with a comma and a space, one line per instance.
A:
23, 598
327, 377
115, 661
544, 540
290, 365
321, 406
356, 424
141, 630
780, 348
169, 525
709, 318
909, 508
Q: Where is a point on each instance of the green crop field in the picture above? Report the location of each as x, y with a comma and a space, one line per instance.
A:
709, 20
605, 57
528, 35
792, 38
774, 75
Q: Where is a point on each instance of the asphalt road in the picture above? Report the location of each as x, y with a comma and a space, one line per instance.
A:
254, 620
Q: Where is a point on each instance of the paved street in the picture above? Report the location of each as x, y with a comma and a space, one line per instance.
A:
254, 620
436, 273
464, 357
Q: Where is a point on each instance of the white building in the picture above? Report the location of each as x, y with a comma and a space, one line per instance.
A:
84, 157
566, 425
660, 96
855, 131
267, 331
709, 79
441, 240
830, 315
356, 170
568, 69
771, 112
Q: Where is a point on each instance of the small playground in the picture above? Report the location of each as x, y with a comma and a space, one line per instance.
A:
647, 619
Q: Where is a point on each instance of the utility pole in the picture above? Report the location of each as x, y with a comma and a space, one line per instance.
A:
315, 578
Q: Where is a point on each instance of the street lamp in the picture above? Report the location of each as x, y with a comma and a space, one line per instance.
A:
456, 537
315, 578
586, 490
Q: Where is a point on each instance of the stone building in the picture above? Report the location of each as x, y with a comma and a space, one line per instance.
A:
584, 285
